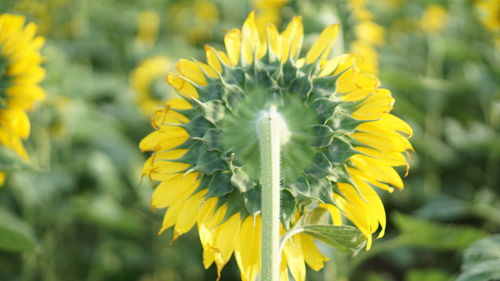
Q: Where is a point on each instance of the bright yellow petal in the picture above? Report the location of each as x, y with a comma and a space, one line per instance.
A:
232, 40
182, 86
323, 44
295, 258
225, 239
250, 38
177, 189
313, 257
212, 58
291, 39
192, 71
248, 247
274, 41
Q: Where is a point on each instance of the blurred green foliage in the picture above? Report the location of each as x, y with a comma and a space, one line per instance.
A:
81, 210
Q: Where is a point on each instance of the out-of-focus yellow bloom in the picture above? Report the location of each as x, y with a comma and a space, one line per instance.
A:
368, 56
362, 14
194, 20
148, 23
434, 19
20, 73
370, 33
267, 11
489, 11
148, 81
42, 11
204, 146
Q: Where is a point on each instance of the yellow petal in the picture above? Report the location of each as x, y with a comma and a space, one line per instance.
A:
390, 158
187, 215
334, 213
384, 141
232, 40
375, 106
212, 58
373, 204
377, 169
192, 71
323, 44
247, 248
176, 189
353, 210
313, 257
274, 41
291, 39
295, 259
250, 38
182, 86
224, 240
164, 140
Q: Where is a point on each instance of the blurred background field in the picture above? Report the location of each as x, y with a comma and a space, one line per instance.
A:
80, 210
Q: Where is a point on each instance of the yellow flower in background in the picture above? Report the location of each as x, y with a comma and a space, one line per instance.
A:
194, 20
20, 73
148, 23
343, 143
42, 11
148, 82
368, 56
268, 11
370, 33
434, 19
489, 11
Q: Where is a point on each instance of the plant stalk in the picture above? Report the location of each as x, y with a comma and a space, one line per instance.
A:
269, 128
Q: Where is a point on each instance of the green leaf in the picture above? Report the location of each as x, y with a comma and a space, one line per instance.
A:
481, 261
428, 234
341, 237
15, 234
10, 161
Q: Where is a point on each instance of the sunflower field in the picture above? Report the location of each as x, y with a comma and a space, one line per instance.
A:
252, 140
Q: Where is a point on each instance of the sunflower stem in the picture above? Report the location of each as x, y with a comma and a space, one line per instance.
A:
269, 128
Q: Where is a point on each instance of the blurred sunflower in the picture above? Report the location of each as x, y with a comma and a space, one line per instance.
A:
342, 144
368, 35
489, 12
148, 23
267, 11
433, 19
20, 73
148, 82
194, 20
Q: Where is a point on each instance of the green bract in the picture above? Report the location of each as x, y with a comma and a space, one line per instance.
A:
223, 146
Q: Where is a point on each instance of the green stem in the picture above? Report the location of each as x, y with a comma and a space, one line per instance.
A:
269, 128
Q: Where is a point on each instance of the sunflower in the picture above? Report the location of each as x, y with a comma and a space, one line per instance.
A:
489, 12
148, 23
343, 144
148, 81
368, 35
194, 20
20, 73
434, 19
268, 11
